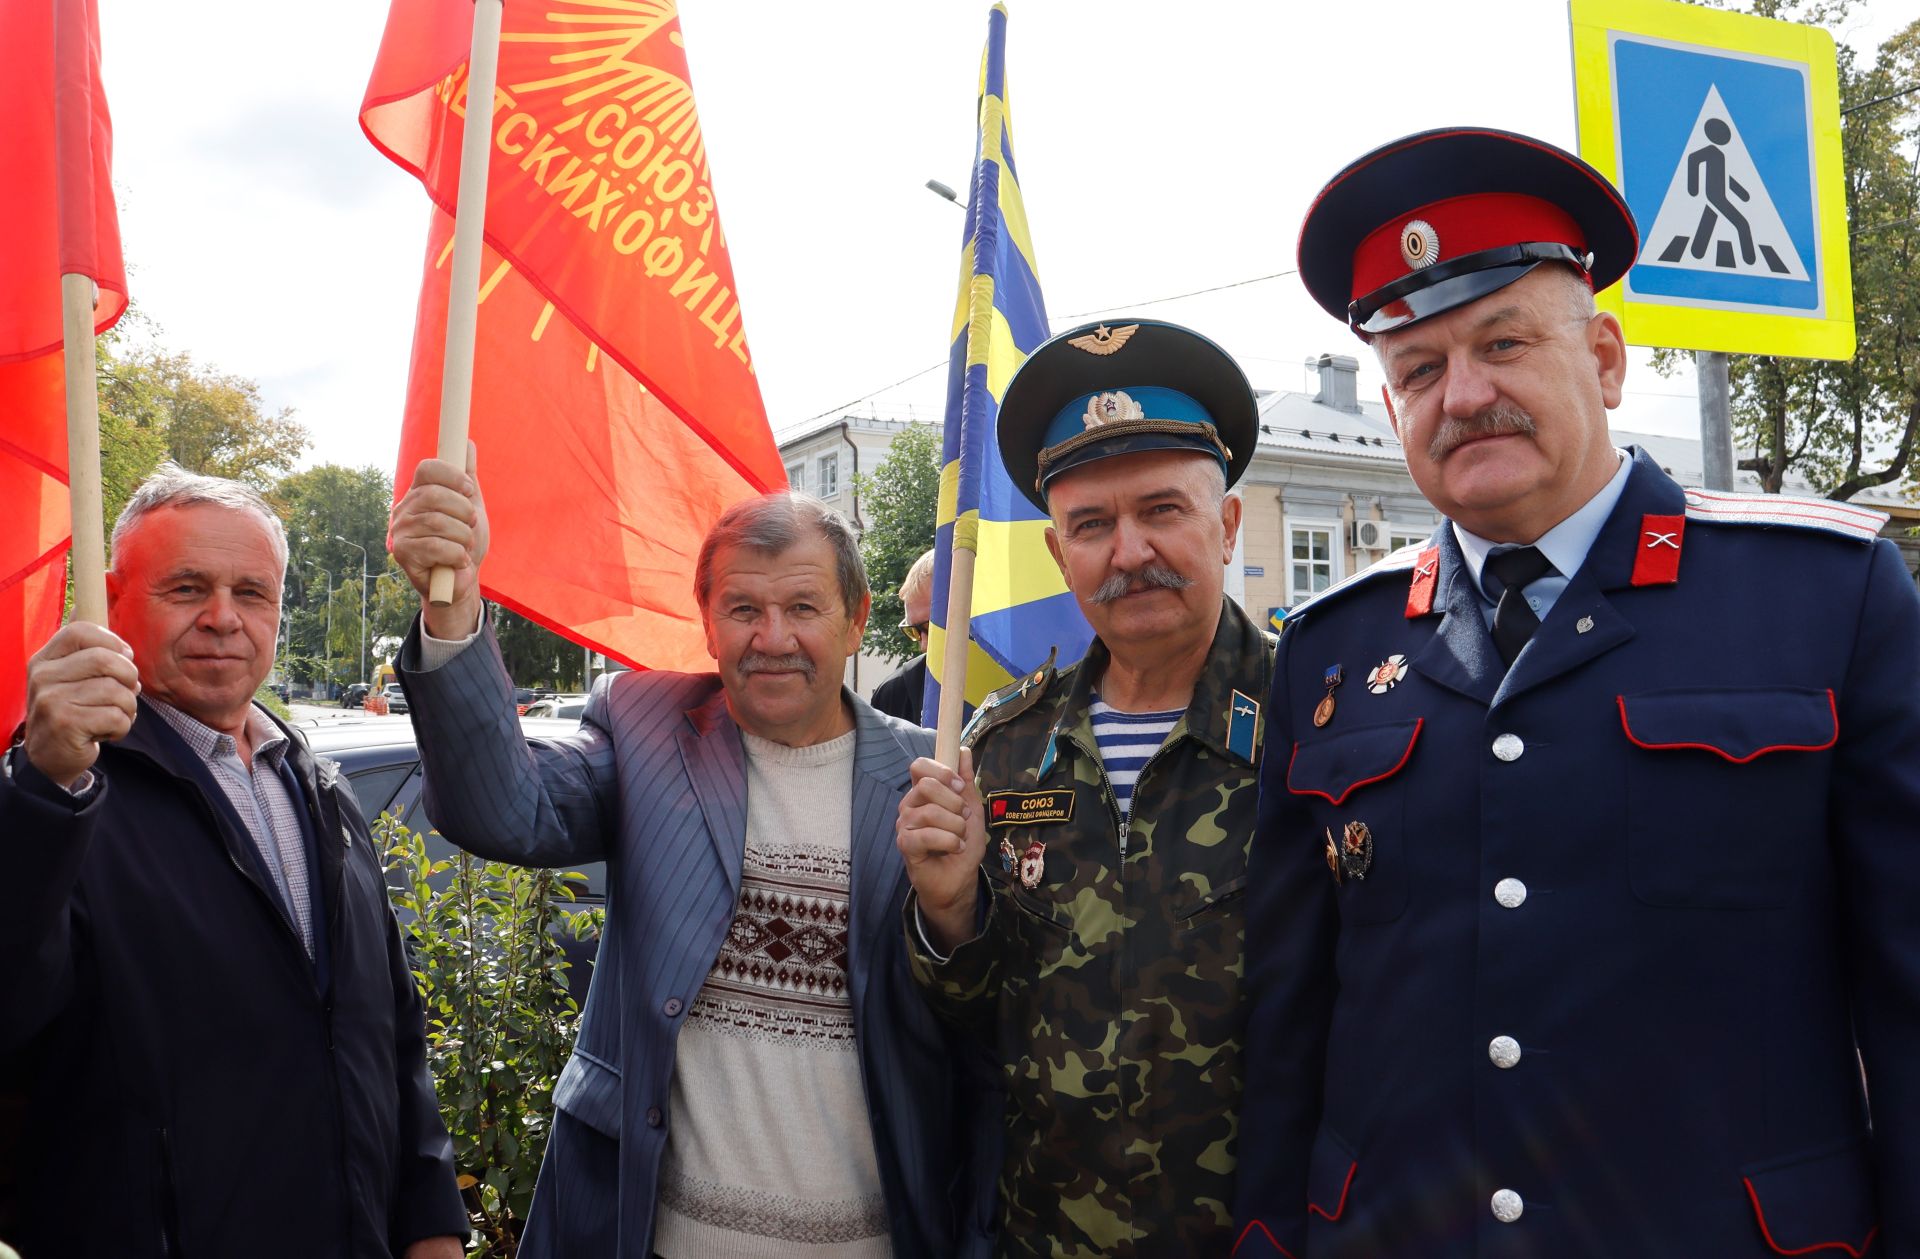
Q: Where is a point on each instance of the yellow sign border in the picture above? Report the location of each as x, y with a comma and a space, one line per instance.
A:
1828, 335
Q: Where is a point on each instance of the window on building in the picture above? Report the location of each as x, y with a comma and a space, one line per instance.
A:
797, 476
829, 476
1311, 564
1401, 536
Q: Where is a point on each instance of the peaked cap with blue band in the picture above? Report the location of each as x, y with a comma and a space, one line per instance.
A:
1433, 221
1118, 388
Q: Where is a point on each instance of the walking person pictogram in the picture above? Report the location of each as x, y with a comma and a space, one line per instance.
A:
1708, 165
1718, 214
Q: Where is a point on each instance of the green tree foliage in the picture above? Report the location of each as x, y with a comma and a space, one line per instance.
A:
1849, 426
485, 944
320, 506
215, 424
535, 655
133, 423
155, 404
899, 499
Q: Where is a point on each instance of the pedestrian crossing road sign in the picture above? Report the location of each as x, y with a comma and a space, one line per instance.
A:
1723, 133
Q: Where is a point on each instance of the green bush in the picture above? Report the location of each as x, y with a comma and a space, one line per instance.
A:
500, 1022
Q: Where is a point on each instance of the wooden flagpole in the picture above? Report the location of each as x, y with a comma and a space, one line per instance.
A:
469, 226
83, 450
953, 676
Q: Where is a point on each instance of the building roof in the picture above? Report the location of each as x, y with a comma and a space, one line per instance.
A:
1680, 458
1298, 422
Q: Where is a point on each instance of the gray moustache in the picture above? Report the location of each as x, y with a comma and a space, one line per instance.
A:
753, 662
1496, 421
1152, 577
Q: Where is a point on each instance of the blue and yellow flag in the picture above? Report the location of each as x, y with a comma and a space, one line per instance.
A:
1021, 607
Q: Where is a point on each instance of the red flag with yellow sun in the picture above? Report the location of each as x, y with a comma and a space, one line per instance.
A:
614, 402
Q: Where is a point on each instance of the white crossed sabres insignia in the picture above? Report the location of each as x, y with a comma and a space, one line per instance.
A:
1662, 539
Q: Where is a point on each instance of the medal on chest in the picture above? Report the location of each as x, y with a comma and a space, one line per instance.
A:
1323, 711
1033, 864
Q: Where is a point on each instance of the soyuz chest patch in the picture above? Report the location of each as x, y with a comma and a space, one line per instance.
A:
1027, 808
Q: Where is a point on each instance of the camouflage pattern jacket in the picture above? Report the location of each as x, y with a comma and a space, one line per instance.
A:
1110, 987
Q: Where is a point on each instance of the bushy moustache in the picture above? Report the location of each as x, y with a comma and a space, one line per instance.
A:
1498, 420
1152, 577
756, 662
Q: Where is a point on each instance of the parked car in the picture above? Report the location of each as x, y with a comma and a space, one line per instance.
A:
382, 761
355, 696
558, 706
523, 697
396, 698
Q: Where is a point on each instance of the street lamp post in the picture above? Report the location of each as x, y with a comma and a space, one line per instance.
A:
363, 604
326, 644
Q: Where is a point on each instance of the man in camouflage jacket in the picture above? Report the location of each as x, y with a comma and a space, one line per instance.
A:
1095, 941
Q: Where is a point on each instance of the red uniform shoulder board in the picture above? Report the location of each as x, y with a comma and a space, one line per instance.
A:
1656, 559
1426, 575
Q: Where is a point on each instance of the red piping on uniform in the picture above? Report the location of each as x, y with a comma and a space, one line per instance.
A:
1271, 1239
1838, 510
1737, 760
1341, 798
1778, 1249
1781, 515
1340, 1207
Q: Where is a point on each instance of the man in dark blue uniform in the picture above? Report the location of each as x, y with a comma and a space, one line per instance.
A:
1586, 880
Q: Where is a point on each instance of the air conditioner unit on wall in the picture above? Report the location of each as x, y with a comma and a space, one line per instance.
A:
1369, 535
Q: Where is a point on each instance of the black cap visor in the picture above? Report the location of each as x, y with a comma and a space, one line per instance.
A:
1455, 282
1204, 440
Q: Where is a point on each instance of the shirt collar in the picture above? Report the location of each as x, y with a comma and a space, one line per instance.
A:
1567, 543
269, 743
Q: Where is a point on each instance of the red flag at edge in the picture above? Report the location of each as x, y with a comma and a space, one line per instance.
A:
57, 218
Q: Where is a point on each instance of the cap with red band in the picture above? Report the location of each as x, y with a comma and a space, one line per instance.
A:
1440, 219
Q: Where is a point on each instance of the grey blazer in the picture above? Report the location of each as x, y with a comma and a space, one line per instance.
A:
654, 784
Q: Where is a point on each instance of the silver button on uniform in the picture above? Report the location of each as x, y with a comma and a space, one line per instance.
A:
1508, 747
1511, 893
1505, 1052
1507, 1206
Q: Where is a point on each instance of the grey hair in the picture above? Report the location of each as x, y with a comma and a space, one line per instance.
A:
171, 485
1581, 305
1217, 482
919, 577
772, 523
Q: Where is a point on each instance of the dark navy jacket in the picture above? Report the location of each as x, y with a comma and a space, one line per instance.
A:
196, 1084
1672, 857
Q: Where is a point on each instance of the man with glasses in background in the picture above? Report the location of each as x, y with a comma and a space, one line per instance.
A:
903, 694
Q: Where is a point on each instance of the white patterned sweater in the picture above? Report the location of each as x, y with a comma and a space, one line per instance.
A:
769, 1150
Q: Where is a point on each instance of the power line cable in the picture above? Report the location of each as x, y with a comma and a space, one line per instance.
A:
1154, 301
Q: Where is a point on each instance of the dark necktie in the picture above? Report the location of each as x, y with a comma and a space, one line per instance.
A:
1506, 576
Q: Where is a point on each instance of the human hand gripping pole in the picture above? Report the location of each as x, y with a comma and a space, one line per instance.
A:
441, 523
469, 226
82, 691
942, 836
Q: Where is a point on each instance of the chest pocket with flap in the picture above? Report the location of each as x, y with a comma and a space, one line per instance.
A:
1726, 793
1357, 776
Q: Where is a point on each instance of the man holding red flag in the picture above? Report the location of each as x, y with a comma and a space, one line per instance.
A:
611, 369
200, 973
755, 1075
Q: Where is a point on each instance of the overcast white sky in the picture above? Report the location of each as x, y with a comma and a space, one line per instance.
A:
1163, 148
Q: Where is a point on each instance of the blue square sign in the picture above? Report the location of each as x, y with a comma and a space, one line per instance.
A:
1717, 165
